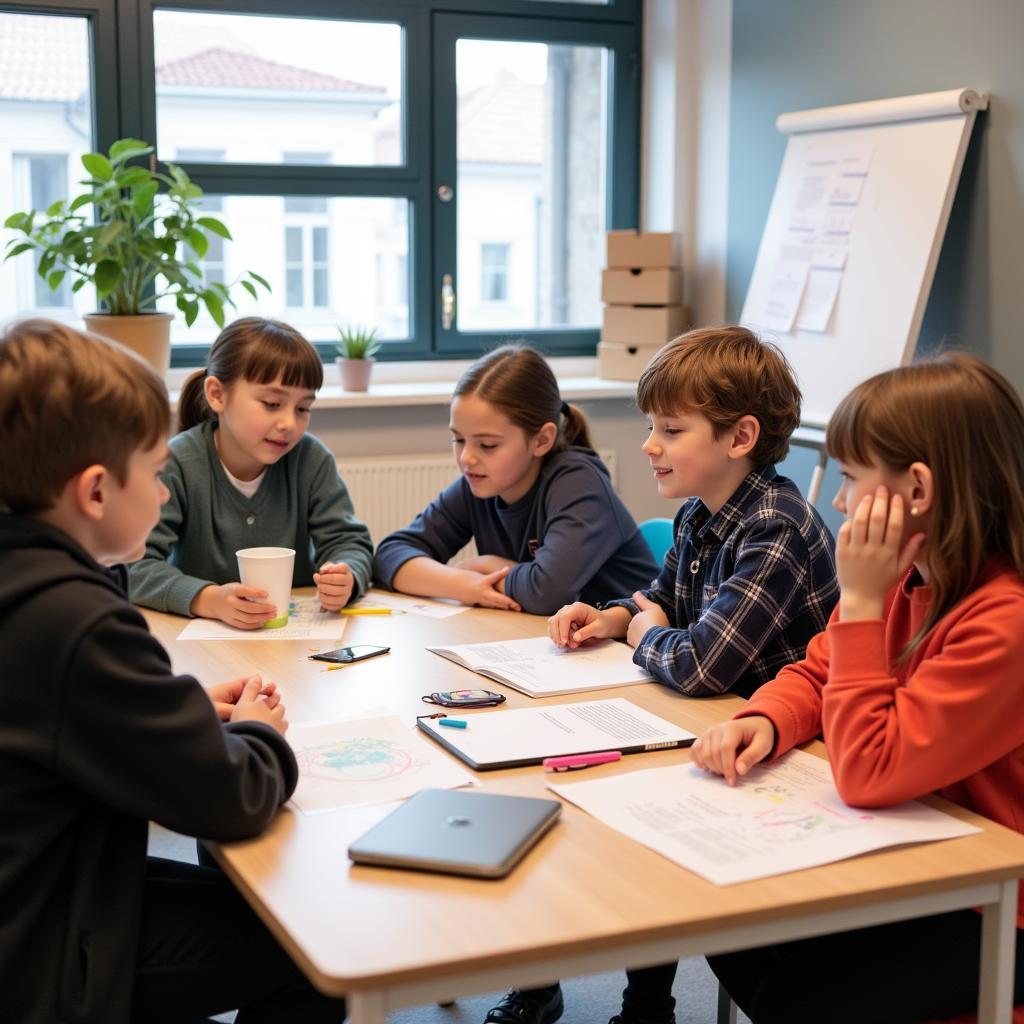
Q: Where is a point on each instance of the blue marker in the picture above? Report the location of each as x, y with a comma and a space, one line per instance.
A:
453, 723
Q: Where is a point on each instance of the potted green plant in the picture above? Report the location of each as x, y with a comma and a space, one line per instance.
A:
137, 235
356, 348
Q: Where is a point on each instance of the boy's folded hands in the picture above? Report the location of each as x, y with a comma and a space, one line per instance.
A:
249, 699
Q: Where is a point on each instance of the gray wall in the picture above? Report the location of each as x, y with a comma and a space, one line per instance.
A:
794, 54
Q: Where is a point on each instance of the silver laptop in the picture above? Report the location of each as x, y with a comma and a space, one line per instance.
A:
457, 832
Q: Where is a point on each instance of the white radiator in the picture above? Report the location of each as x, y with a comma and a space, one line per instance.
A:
389, 490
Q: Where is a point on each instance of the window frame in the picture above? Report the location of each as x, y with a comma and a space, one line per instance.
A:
124, 104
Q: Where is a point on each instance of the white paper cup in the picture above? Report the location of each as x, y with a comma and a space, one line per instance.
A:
269, 569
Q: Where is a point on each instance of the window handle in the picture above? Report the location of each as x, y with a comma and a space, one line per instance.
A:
447, 302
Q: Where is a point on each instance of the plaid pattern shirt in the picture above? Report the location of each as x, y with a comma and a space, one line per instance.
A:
744, 589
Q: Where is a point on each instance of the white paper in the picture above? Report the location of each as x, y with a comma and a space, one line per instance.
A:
434, 609
305, 622
846, 191
819, 299
785, 816
785, 290
501, 736
366, 761
538, 667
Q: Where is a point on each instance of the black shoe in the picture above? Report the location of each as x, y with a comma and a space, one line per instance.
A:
528, 1006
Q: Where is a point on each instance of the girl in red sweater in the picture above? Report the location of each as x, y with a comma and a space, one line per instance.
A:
917, 684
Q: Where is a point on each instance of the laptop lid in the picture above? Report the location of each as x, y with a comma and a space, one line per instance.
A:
458, 832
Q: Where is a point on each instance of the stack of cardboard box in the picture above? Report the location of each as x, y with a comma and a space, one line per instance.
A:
642, 290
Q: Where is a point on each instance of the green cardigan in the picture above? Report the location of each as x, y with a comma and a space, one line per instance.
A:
302, 503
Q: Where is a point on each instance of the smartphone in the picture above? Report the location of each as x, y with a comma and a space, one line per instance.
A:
344, 655
466, 698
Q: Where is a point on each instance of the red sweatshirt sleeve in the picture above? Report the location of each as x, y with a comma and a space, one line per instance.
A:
792, 700
957, 710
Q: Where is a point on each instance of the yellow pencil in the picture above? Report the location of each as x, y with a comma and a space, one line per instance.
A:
370, 611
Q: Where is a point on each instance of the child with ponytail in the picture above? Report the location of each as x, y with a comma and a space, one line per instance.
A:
534, 496
244, 473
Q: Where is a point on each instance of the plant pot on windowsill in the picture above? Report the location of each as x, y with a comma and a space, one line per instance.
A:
355, 373
147, 334
355, 360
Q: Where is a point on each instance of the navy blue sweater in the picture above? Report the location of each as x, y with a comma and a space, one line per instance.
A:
571, 535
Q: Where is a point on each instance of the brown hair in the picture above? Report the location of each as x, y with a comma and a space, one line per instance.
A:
253, 349
725, 373
965, 422
69, 400
518, 380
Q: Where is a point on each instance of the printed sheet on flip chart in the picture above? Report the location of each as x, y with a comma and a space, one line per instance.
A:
808, 272
783, 816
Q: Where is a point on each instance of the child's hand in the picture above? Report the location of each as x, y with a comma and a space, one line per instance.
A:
576, 623
716, 751
869, 561
225, 695
485, 563
482, 589
251, 706
651, 614
235, 604
334, 585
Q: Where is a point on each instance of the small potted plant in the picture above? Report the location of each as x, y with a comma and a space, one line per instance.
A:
356, 347
135, 243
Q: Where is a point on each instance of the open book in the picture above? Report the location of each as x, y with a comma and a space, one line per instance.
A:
540, 668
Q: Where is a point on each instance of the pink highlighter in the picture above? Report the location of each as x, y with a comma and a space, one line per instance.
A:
571, 762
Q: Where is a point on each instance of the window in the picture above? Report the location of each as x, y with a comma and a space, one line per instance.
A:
494, 271
46, 124
361, 153
212, 263
47, 181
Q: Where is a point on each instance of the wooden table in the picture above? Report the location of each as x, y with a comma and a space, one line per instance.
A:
586, 899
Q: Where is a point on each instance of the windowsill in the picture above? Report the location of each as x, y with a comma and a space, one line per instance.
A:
432, 383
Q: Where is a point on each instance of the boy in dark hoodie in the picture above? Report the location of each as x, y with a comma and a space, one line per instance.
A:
98, 735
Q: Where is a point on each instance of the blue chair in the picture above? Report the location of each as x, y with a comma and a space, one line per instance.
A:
658, 534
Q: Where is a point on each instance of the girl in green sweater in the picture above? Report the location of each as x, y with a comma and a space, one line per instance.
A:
244, 473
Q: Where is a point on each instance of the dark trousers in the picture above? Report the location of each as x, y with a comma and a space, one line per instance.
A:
920, 970
202, 951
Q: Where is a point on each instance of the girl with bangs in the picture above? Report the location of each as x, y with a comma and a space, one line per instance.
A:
916, 685
244, 473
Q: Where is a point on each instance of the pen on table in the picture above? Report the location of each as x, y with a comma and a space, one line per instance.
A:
370, 611
572, 762
453, 723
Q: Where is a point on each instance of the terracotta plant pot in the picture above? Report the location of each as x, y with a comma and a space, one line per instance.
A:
148, 334
355, 373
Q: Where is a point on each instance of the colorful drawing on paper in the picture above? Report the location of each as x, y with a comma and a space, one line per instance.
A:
360, 759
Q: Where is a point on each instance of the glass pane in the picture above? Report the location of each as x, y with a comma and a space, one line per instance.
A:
46, 125
277, 90
531, 184
344, 265
293, 244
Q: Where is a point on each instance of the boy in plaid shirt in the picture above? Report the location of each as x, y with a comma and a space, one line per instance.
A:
750, 577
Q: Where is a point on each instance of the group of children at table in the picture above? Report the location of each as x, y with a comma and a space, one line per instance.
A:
901, 643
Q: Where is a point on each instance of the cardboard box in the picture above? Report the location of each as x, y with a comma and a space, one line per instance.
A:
618, 361
642, 286
643, 325
628, 249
